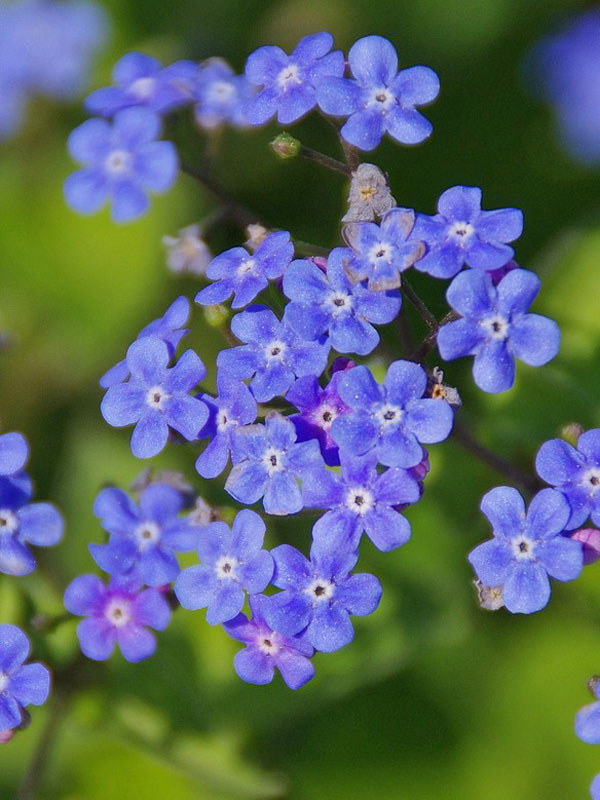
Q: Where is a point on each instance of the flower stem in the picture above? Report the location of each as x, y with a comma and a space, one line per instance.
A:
324, 160
420, 306
236, 211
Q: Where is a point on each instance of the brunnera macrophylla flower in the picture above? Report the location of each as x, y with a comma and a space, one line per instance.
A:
23, 523
393, 419
528, 547
121, 163
381, 253
496, 328
144, 538
233, 406
329, 303
269, 462
21, 684
272, 355
576, 473
156, 397
461, 233
140, 80
320, 595
244, 274
119, 613
169, 328
360, 500
232, 563
287, 84
220, 96
266, 649
379, 99
187, 253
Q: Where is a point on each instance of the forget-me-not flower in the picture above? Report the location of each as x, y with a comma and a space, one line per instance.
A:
20, 684
220, 95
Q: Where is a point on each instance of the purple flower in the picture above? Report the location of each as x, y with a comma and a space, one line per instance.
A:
121, 163
461, 233
156, 398
574, 472
144, 538
20, 684
273, 354
329, 303
287, 83
495, 327
233, 406
587, 721
319, 596
268, 463
141, 81
118, 613
380, 99
390, 420
23, 523
244, 274
319, 408
220, 95
266, 649
169, 328
14, 452
360, 500
233, 562
382, 252
526, 548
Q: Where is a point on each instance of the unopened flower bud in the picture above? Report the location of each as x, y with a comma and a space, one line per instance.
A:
590, 539
216, 316
286, 146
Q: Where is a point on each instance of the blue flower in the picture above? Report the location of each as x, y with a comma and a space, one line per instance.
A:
329, 303
287, 83
319, 596
233, 406
220, 95
526, 548
360, 500
141, 81
246, 274
14, 452
319, 408
382, 252
233, 562
143, 539
268, 463
495, 327
273, 354
267, 649
461, 233
20, 684
155, 397
23, 523
392, 419
587, 721
121, 163
169, 328
116, 614
380, 99
576, 473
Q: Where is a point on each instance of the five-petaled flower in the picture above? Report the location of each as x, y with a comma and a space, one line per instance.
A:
20, 684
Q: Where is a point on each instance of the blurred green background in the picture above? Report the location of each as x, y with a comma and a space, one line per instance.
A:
435, 698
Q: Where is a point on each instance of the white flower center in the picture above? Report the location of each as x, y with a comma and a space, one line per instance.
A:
143, 88
325, 416
496, 327
320, 590
4, 681
118, 612
289, 74
246, 266
523, 548
118, 162
223, 421
146, 535
389, 415
359, 500
340, 303
275, 350
225, 567
381, 98
381, 251
590, 481
9, 522
156, 397
461, 231
267, 643
221, 91
273, 460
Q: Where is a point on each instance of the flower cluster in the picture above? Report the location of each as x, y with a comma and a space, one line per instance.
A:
46, 48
